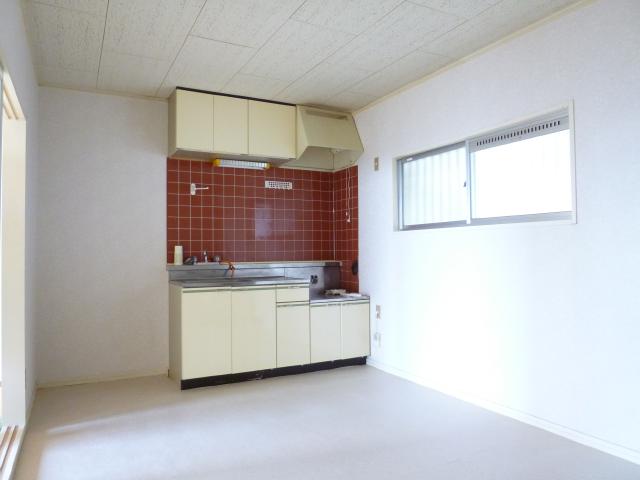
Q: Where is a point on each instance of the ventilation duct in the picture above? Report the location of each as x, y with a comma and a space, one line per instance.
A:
328, 137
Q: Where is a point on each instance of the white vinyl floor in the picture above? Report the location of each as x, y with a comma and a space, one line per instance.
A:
351, 423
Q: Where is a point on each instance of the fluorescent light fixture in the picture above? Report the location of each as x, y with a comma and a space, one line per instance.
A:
223, 162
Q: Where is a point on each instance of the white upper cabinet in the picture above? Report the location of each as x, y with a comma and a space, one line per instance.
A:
272, 130
190, 122
203, 125
230, 125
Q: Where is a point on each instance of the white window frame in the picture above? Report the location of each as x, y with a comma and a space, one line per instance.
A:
565, 217
411, 158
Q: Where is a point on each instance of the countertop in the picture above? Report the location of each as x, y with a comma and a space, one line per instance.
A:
252, 265
239, 282
316, 297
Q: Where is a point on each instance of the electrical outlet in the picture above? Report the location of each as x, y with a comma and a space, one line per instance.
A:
377, 336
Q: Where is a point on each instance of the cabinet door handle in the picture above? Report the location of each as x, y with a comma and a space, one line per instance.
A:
293, 304
205, 289
245, 289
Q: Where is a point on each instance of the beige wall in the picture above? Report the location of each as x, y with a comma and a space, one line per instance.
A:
102, 285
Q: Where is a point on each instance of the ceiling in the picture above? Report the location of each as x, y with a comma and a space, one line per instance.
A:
338, 53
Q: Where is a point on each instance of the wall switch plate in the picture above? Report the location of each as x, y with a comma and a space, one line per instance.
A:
378, 311
376, 164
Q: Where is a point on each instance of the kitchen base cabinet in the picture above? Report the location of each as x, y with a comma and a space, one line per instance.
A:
253, 332
325, 332
206, 333
293, 334
355, 329
200, 326
228, 334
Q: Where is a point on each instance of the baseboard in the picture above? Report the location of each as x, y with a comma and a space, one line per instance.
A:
100, 379
269, 373
561, 430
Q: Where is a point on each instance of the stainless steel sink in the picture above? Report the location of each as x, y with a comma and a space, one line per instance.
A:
237, 281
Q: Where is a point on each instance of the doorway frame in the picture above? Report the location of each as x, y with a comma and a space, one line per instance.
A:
13, 162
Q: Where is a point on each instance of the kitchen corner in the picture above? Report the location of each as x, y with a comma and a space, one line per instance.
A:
262, 201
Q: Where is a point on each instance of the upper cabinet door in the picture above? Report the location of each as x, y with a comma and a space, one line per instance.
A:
193, 126
272, 130
230, 125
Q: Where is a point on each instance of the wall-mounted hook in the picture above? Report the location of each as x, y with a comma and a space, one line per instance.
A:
195, 188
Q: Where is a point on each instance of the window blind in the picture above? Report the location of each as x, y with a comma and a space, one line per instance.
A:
433, 187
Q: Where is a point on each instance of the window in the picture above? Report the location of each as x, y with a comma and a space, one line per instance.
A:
522, 173
433, 187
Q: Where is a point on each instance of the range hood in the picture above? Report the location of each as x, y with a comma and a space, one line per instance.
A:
326, 137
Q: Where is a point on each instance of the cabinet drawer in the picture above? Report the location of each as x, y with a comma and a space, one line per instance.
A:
292, 293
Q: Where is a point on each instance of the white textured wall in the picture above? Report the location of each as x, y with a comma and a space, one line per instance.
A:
541, 319
16, 57
102, 284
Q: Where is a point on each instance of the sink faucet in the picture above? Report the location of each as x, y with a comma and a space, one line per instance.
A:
232, 267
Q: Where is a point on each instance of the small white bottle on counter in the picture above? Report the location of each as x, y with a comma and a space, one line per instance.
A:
177, 255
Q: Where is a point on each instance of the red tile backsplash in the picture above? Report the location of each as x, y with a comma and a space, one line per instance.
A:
345, 188
237, 218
